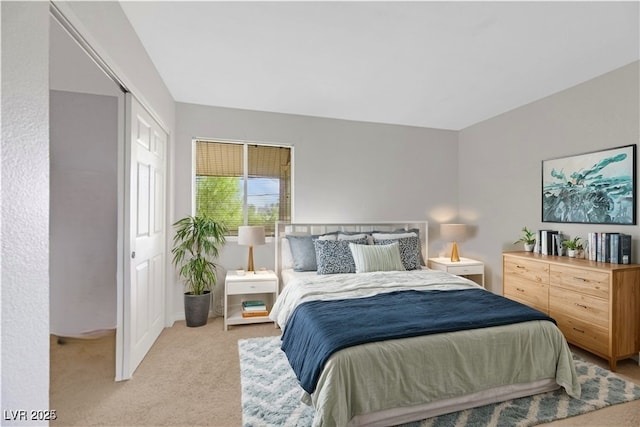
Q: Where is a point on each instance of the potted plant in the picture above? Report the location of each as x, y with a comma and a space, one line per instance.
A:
574, 247
529, 239
195, 244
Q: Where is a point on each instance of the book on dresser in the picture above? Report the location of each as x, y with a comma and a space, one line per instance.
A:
609, 247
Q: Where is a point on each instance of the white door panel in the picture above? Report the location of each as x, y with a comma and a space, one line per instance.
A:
145, 194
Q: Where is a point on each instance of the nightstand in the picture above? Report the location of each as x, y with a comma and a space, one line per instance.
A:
467, 267
261, 285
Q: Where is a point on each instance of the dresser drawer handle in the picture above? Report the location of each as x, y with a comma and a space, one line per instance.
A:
581, 305
520, 266
581, 278
578, 330
519, 289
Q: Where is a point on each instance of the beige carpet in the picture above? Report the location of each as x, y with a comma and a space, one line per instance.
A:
191, 377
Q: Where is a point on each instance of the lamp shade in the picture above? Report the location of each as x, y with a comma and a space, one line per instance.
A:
251, 235
453, 232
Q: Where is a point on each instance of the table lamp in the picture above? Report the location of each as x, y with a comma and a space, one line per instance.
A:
250, 235
453, 233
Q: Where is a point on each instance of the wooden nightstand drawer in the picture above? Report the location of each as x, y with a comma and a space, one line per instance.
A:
594, 283
466, 269
255, 287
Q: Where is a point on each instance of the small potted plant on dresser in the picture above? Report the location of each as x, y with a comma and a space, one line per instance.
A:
528, 238
574, 247
196, 244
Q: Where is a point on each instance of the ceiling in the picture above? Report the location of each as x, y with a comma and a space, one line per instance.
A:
442, 65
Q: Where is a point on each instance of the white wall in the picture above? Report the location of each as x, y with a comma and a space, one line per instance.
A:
24, 217
25, 174
83, 209
107, 29
343, 170
500, 160
72, 70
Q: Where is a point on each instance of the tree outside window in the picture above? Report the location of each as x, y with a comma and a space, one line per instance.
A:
240, 183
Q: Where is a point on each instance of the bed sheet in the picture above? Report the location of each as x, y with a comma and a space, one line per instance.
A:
371, 381
360, 383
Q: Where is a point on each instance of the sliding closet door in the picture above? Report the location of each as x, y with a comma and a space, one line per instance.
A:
145, 247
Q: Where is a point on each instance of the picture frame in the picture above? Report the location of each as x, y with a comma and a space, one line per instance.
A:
597, 187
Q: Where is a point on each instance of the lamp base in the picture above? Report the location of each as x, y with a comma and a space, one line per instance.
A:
454, 253
250, 267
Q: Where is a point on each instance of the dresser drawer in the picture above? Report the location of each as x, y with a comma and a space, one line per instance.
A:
582, 333
468, 269
253, 287
595, 283
533, 294
531, 270
593, 310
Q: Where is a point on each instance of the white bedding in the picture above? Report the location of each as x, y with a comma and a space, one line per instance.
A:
310, 286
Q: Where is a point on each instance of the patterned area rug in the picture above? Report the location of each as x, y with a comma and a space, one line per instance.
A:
271, 395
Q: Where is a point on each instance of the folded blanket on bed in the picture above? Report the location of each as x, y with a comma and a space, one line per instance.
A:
317, 329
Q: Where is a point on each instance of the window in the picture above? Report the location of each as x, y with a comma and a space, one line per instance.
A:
241, 183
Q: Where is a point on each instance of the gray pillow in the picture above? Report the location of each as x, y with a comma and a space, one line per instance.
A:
334, 256
410, 252
302, 252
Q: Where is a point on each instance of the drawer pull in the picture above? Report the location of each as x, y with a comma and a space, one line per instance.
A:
520, 266
581, 278
578, 330
581, 305
519, 289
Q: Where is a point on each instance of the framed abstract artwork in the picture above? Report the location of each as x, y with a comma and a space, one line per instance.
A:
595, 188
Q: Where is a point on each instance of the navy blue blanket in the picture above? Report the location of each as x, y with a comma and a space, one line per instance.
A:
317, 329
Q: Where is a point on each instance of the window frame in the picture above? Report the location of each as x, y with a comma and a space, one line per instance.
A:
245, 167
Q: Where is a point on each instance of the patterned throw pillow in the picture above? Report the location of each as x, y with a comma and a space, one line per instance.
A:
334, 256
410, 252
303, 253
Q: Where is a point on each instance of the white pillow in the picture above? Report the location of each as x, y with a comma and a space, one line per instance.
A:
387, 236
327, 237
286, 258
376, 258
342, 236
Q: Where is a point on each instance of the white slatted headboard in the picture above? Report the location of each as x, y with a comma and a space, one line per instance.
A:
283, 229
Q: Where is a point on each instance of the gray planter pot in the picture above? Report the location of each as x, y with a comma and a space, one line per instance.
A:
196, 309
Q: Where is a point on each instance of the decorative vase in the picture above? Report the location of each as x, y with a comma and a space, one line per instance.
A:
529, 247
571, 253
196, 308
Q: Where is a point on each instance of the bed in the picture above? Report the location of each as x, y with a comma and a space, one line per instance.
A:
378, 339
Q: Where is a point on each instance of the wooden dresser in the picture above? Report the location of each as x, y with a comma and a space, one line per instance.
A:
596, 304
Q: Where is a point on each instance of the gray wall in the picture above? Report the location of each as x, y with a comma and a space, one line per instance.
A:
343, 170
83, 212
500, 161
